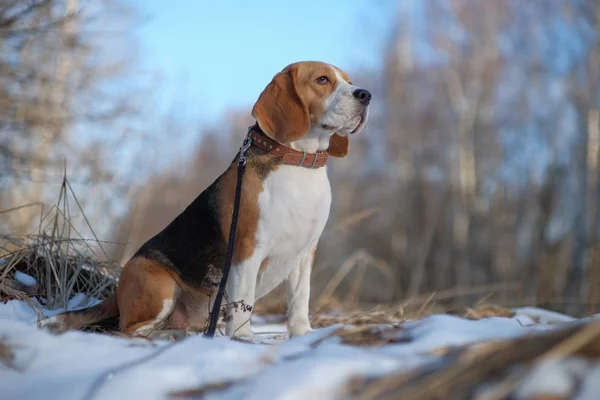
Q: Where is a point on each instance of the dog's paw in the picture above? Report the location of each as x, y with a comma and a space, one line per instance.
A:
241, 332
299, 329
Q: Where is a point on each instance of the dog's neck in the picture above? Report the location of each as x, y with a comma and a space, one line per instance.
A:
317, 139
288, 154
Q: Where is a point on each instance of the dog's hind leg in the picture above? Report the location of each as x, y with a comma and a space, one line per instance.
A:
147, 295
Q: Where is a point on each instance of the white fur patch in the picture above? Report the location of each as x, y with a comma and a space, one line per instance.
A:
167, 308
294, 206
339, 76
296, 203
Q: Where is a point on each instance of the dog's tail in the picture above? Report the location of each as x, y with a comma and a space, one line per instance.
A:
80, 318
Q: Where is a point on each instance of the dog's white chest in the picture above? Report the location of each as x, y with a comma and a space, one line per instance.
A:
294, 207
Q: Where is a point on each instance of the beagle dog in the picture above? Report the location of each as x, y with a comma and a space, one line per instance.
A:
303, 116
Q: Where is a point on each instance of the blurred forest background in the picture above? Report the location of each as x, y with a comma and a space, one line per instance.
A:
478, 172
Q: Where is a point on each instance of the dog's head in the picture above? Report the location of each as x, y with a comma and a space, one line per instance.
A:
312, 106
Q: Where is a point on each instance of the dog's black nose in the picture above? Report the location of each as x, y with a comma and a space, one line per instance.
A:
364, 96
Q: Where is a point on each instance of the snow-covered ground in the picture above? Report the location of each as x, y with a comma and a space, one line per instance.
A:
78, 365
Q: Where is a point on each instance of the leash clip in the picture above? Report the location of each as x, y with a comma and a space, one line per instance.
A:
245, 146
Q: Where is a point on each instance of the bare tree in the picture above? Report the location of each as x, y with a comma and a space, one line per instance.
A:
478, 168
61, 89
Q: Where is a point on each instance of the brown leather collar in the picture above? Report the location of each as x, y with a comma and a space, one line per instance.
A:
288, 155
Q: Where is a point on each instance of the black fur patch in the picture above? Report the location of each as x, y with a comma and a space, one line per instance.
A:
194, 241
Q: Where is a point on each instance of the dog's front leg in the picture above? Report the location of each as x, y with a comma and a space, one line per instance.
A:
298, 294
241, 287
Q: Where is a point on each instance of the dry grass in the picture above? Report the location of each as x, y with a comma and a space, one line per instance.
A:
202, 391
367, 335
60, 259
459, 373
384, 326
411, 309
60, 267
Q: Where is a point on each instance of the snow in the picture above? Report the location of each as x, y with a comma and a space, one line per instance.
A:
591, 385
21, 311
532, 315
25, 279
79, 365
446, 330
555, 378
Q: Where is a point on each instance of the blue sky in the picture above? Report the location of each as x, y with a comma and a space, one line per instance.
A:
214, 55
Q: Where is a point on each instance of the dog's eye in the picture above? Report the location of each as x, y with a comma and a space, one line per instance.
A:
322, 80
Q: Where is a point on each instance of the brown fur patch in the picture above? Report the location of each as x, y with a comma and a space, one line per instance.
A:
259, 166
338, 145
143, 286
280, 111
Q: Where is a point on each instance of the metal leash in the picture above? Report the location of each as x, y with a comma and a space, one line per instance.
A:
214, 315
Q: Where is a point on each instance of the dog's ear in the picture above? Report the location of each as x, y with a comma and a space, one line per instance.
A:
338, 145
280, 111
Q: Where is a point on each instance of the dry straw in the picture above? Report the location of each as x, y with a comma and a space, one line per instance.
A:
59, 258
